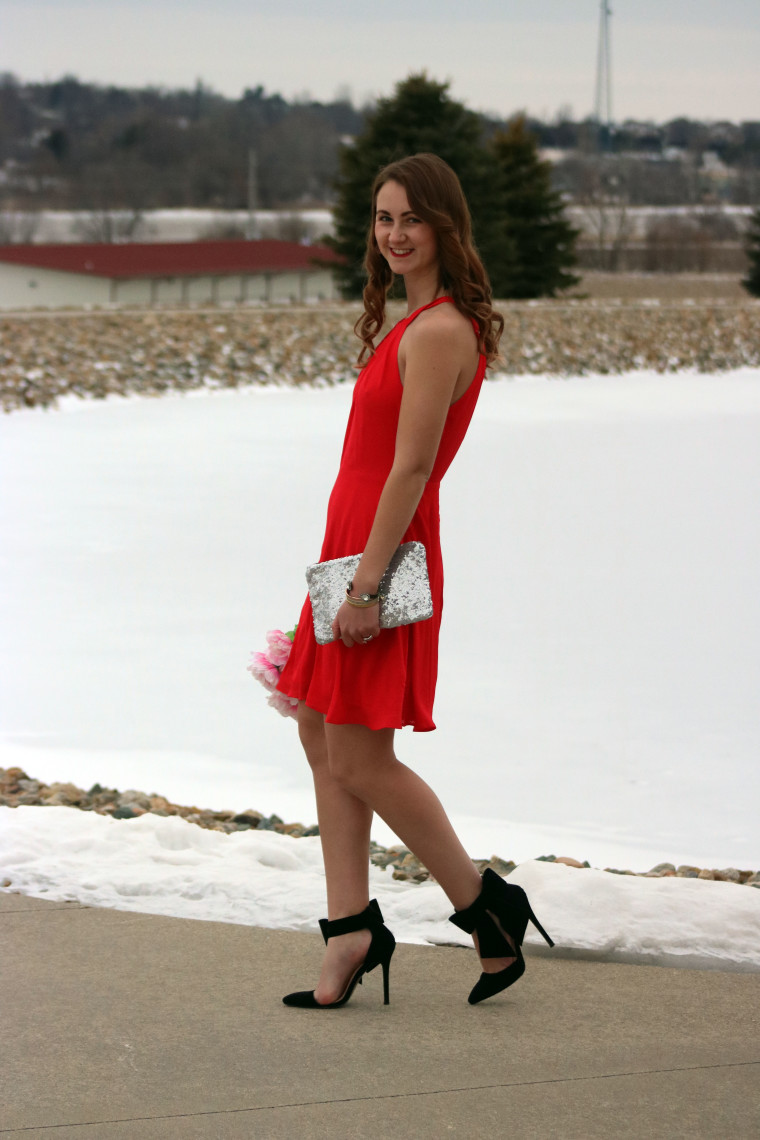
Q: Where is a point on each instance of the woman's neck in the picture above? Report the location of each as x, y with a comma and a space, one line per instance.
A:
420, 293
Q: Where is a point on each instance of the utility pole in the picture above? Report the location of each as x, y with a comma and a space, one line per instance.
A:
252, 228
603, 91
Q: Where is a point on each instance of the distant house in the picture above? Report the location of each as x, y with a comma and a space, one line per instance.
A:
160, 273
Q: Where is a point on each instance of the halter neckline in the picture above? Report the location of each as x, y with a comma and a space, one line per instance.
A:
429, 305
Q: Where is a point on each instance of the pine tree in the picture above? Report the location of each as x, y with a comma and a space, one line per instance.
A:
752, 281
539, 239
419, 116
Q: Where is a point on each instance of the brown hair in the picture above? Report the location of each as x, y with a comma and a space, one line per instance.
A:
435, 194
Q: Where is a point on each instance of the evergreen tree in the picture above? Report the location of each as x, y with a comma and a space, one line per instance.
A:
752, 281
538, 246
419, 116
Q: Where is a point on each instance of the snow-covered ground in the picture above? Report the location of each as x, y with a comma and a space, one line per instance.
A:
173, 225
168, 866
191, 224
600, 669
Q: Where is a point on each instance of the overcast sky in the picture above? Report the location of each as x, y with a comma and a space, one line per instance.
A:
669, 57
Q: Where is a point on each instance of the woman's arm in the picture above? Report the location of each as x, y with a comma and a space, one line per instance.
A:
435, 355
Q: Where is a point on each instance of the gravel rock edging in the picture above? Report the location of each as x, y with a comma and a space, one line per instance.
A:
17, 789
44, 356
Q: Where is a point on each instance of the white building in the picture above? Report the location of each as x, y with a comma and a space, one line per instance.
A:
208, 272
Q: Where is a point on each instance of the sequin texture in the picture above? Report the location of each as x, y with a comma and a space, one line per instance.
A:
404, 590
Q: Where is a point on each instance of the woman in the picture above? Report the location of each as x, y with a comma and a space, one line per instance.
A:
412, 405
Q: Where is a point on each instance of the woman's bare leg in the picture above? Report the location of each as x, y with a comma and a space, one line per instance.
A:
362, 761
344, 829
356, 772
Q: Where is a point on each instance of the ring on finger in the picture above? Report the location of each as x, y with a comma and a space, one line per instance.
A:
366, 639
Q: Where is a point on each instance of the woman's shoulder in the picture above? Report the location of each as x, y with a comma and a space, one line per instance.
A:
443, 321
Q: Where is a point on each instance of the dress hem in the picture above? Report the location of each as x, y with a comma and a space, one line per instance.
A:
398, 724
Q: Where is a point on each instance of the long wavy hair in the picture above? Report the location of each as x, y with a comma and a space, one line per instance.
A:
436, 196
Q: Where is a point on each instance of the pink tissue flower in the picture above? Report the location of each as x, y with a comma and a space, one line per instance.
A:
285, 706
264, 670
279, 645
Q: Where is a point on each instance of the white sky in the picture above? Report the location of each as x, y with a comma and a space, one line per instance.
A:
670, 57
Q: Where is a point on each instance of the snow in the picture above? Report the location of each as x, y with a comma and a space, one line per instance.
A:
190, 224
599, 676
168, 866
182, 224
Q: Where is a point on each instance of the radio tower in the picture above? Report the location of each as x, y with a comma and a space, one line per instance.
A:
603, 94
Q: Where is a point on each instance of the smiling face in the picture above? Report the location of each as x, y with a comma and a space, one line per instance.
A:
408, 244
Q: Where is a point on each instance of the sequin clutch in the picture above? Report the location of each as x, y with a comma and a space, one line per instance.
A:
404, 589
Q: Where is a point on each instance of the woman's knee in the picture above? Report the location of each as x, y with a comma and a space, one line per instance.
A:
347, 772
358, 756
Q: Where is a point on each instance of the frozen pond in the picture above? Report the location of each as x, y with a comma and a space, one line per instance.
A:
600, 660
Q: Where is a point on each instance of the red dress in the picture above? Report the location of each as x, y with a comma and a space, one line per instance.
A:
390, 681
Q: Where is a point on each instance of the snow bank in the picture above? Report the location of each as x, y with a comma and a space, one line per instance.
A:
167, 866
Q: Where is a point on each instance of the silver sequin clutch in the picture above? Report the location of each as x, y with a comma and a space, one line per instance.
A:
404, 589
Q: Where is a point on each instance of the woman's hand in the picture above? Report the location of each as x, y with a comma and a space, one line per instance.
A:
355, 625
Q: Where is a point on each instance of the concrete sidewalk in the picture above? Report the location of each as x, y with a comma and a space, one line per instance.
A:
120, 1026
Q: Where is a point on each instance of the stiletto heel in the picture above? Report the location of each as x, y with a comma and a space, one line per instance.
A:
539, 927
379, 953
500, 909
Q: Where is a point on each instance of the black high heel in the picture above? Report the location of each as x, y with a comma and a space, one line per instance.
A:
507, 903
379, 954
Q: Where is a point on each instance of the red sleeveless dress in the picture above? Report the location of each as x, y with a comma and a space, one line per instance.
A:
390, 681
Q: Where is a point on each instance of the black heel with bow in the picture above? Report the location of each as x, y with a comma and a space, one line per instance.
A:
379, 953
500, 909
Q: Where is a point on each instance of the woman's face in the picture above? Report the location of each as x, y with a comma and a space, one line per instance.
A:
408, 244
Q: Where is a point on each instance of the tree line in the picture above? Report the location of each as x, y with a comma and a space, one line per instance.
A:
73, 145
107, 150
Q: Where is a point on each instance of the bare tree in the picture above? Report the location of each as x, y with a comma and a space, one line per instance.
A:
106, 226
697, 242
604, 208
18, 228
291, 226
224, 229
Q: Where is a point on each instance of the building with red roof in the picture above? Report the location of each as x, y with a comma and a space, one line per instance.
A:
158, 273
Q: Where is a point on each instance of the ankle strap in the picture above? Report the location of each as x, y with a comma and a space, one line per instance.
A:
467, 919
470, 917
370, 919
